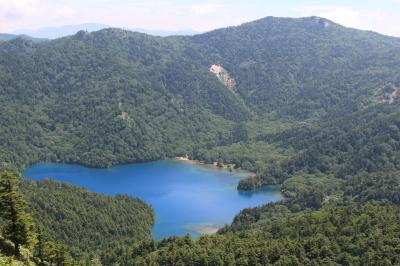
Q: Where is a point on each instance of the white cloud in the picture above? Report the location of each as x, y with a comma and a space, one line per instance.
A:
206, 8
150, 14
16, 14
65, 11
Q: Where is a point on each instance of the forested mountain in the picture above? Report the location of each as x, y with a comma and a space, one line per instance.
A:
305, 103
303, 67
116, 96
101, 99
51, 223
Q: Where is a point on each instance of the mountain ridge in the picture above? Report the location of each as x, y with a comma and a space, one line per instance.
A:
293, 68
92, 27
8, 37
68, 30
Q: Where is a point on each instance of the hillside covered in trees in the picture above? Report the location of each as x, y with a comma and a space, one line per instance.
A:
23, 241
115, 96
50, 223
304, 103
351, 235
87, 222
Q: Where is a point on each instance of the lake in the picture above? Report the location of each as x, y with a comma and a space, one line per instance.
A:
187, 198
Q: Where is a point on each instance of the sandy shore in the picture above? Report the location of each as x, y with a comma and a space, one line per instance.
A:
214, 166
187, 160
204, 229
208, 229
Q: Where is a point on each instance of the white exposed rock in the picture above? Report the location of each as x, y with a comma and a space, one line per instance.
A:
389, 93
393, 95
124, 116
223, 76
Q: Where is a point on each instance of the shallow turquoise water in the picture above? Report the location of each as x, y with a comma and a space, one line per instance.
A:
187, 198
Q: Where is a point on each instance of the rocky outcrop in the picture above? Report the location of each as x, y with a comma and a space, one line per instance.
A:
389, 93
223, 76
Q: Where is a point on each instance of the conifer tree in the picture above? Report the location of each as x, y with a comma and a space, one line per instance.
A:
16, 223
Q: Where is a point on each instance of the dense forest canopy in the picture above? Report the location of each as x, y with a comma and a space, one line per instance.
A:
20, 235
351, 235
304, 103
87, 222
115, 96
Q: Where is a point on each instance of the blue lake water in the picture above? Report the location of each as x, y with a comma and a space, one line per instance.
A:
187, 198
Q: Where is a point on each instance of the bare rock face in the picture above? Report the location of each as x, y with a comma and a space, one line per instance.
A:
389, 93
223, 76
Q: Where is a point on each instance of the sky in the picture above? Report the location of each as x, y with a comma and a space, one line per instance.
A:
378, 15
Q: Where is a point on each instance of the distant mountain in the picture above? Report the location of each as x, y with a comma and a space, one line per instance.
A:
57, 32
8, 37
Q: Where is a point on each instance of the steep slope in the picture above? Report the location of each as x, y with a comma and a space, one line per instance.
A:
87, 222
106, 98
303, 67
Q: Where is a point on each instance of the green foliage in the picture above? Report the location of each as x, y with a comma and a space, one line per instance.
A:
252, 217
47, 252
306, 191
251, 155
86, 222
16, 223
375, 187
9, 261
350, 235
17, 228
308, 67
105, 98
367, 141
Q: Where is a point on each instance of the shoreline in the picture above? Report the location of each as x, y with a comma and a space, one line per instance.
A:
204, 228
215, 166
186, 159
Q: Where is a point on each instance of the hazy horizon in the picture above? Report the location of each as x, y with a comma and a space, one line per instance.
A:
66, 30
192, 15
